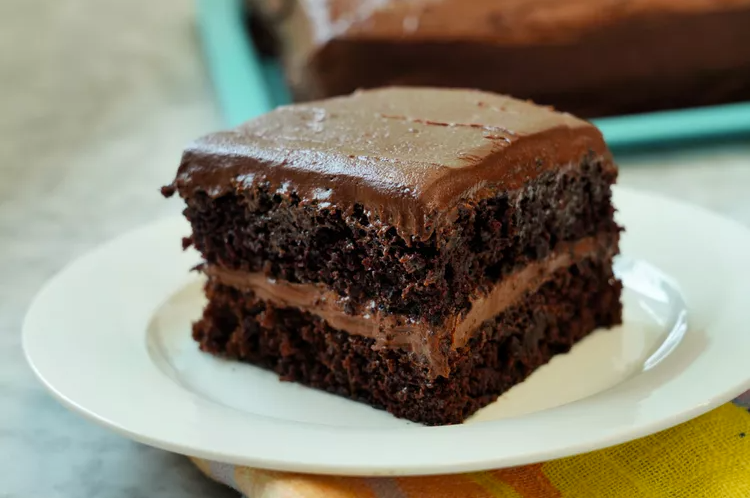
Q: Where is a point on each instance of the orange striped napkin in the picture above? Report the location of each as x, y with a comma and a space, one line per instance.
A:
706, 457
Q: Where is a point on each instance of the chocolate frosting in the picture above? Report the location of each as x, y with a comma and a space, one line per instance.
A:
408, 155
399, 331
499, 21
589, 57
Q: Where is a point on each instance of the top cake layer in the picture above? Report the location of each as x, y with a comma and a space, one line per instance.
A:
408, 155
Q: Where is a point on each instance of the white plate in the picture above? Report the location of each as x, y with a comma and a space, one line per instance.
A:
110, 337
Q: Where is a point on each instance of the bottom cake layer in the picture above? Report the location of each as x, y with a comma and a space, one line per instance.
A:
504, 351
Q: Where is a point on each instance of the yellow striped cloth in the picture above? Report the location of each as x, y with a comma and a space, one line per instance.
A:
706, 457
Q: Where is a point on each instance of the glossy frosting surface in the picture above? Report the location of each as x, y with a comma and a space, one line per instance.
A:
409, 155
505, 21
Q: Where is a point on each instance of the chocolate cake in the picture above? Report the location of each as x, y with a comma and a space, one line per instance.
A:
421, 250
588, 57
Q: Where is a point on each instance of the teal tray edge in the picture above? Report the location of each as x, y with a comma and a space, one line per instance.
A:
246, 86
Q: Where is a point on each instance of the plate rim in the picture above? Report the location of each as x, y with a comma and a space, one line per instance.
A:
326, 432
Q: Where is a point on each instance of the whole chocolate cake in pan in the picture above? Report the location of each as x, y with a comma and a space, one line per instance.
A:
588, 57
421, 250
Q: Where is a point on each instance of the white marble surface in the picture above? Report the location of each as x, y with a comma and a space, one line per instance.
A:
98, 97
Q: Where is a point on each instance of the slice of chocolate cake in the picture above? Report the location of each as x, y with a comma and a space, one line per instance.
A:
420, 250
588, 57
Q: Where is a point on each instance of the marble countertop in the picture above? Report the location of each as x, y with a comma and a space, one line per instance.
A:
98, 100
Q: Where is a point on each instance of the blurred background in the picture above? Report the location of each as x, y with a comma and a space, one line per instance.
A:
98, 98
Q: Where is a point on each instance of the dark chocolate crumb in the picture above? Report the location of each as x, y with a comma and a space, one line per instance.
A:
168, 190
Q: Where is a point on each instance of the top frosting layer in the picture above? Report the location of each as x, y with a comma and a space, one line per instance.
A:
408, 155
505, 21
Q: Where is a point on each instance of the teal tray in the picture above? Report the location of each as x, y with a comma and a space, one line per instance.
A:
247, 86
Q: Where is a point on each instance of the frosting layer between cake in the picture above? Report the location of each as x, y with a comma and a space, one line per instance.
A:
399, 331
